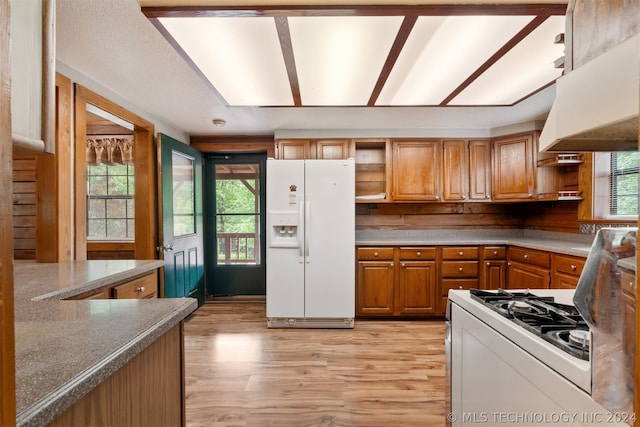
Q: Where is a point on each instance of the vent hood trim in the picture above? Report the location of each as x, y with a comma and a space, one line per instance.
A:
596, 105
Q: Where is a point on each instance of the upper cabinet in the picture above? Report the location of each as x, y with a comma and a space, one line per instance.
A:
514, 167
416, 170
328, 149
479, 170
455, 170
373, 170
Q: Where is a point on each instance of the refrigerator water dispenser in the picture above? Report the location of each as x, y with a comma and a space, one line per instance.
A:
283, 232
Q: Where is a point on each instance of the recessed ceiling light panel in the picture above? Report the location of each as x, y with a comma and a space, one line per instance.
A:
524, 69
440, 54
339, 59
241, 57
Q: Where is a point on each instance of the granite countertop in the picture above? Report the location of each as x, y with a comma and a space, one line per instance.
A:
66, 348
564, 243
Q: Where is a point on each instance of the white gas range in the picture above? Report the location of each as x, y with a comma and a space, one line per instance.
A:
503, 374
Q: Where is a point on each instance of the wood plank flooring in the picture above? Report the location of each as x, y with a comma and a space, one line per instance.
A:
381, 373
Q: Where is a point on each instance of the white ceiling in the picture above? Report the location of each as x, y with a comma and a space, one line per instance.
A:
112, 43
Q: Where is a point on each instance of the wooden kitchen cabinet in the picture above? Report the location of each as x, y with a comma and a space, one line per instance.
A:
458, 270
566, 270
479, 170
528, 268
494, 267
455, 170
417, 281
373, 170
514, 167
416, 170
145, 286
375, 282
300, 149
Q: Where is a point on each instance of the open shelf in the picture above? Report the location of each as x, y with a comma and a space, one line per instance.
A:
562, 195
371, 170
562, 159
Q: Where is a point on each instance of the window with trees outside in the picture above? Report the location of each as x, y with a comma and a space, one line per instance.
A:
616, 185
110, 202
238, 214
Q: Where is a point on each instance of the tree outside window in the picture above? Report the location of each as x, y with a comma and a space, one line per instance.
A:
110, 202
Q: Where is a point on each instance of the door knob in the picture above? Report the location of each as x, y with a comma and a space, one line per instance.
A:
165, 248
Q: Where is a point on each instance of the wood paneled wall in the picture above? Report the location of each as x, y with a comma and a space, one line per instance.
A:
553, 216
408, 216
24, 206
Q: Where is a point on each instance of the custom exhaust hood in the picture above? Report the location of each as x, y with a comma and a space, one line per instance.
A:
596, 105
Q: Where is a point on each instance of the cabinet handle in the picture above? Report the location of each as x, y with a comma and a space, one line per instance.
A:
460, 287
460, 253
402, 264
495, 253
375, 254
508, 264
573, 267
418, 253
437, 197
526, 256
488, 264
460, 269
530, 195
391, 263
140, 289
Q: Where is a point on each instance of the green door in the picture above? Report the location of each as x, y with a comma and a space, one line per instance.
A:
234, 224
181, 239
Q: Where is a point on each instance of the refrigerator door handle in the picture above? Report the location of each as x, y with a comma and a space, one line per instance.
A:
307, 231
300, 233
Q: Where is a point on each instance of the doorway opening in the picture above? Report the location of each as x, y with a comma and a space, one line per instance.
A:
235, 222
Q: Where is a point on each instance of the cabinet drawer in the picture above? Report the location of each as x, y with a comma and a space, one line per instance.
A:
375, 253
529, 256
448, 284
142, 287
494, 252
459, 268
417, 253
569, 265
462, 252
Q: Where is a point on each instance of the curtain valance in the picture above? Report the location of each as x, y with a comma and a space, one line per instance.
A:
111, 150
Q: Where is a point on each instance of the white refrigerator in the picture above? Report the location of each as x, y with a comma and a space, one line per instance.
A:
310, 243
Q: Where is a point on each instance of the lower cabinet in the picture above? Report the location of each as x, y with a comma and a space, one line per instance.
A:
145, 286
528, 269
494, 267
566, 270
417, 281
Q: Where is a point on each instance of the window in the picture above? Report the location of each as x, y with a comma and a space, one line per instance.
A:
616, 185
110, 202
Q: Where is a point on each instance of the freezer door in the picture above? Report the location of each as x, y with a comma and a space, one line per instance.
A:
285, 266
330, 239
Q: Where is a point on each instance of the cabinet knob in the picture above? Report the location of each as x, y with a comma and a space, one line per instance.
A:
437, 197
418, 253
488, 264
530, 195
526, 256
632, 284
402, 264
508, 264
460, 287
495, 253
391, 263
140, 289
460, 253
460, 269
573, 267
375, 254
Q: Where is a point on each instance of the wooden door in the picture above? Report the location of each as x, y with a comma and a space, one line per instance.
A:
375, 288
455, 170
181, 240
514, 168
480, 170
417, 287
416, 170
293, 149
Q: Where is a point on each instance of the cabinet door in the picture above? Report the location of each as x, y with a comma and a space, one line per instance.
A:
514, 167
332, 149
494, 274
455, 167
293, 149
480, 170
417, 283
416, 170
375, 288
522, 276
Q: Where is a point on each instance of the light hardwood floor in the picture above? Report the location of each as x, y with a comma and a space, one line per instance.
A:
381, 373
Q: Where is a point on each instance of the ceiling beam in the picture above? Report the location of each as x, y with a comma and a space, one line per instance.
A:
282, 26
394, 53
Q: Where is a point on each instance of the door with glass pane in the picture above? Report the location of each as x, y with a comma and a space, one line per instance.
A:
181, 240
234, 221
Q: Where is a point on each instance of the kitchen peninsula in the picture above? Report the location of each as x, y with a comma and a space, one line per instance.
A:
73, 357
